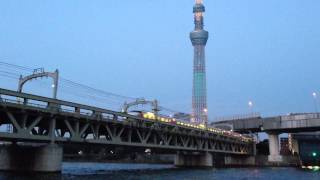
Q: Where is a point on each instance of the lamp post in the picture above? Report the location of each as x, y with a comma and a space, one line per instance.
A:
314, 95
254, 135
250, 104
205, 110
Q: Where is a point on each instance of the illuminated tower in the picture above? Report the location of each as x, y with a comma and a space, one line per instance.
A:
199, 39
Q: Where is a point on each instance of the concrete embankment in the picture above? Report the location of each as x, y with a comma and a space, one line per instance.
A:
260, 161
219, 161
150, 159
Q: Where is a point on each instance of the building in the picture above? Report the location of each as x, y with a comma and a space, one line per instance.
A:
307, 145
284, 146
182, 116
199, 39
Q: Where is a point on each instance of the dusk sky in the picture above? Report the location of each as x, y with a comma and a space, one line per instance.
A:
265, 51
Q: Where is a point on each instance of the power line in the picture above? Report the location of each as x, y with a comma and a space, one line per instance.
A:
11, 73
65, 80
96, 90
8, 76
73, 88
16, 66
70, 87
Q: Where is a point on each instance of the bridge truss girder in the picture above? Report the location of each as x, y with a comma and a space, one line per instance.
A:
52, 123
29, 126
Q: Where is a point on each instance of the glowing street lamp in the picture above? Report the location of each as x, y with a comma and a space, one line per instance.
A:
205, 110
314, 95
250, 104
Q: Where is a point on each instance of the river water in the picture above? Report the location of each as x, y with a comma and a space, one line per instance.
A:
97, 171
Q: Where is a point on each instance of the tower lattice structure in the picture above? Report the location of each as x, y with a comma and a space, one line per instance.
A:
199, 39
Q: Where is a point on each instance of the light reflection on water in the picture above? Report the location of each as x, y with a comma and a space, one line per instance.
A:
93, 171
101, 168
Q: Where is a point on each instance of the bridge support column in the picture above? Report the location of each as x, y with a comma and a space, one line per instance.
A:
27, 158
193, 160
274, 148
239, 161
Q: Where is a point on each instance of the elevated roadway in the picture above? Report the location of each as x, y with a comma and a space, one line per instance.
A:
273, 126
298, 122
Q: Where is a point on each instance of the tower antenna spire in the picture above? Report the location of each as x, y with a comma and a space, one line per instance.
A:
199, 39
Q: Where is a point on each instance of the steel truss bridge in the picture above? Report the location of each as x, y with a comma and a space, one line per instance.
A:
41, 119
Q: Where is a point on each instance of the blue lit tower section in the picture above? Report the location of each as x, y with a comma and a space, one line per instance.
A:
199, 39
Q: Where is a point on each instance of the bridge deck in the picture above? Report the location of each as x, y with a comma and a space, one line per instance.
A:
42, 119
292, 123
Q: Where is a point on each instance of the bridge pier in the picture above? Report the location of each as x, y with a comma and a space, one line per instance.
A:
274, 151
31, 158
239, 161
193, 160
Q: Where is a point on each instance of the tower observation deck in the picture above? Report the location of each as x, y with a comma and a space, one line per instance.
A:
199, 39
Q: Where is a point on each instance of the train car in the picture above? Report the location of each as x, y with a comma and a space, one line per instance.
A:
166, 119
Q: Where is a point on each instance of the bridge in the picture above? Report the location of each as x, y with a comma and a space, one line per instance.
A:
291, 123
273, 126
49, 123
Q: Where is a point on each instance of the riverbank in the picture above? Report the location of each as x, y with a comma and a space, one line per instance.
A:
253, 161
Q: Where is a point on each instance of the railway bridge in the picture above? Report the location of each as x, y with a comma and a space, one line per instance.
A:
41, 126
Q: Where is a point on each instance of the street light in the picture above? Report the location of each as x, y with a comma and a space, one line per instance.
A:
205, 110
250, 104
314, 95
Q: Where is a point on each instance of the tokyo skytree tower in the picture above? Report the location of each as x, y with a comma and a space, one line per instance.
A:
199, 39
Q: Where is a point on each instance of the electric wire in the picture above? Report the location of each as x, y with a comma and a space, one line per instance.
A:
77, 90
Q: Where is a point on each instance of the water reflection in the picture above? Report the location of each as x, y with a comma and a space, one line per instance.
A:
90, 171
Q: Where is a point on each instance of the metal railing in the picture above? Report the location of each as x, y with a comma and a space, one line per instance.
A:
13, 97
238, 117
302, 116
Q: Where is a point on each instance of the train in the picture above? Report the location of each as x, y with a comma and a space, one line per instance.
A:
179, 122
